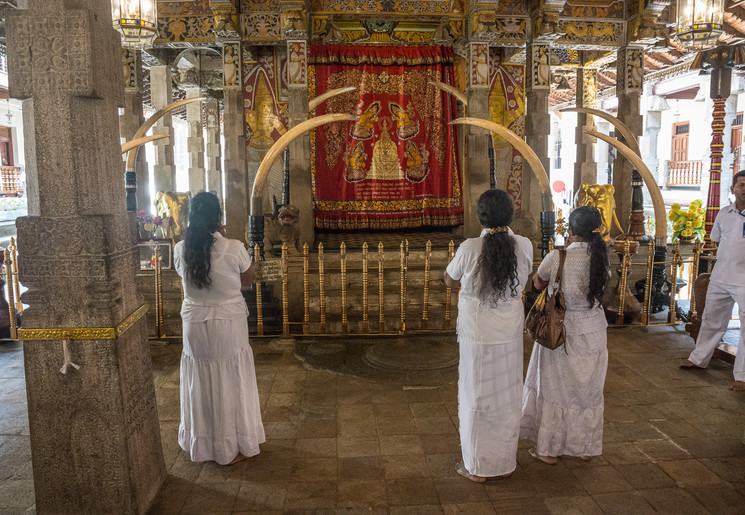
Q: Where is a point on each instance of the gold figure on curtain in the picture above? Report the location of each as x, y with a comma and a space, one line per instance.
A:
385, 163
262, 120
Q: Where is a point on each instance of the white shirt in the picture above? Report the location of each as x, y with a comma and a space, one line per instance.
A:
223, 298
729, 232
481, 323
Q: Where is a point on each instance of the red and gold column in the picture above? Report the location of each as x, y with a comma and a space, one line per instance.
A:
717, 145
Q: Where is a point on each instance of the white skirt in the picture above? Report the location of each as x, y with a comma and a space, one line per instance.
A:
489, 393
563, 397
220, 411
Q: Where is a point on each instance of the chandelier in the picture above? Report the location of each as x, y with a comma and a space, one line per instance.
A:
700, 23
136, 21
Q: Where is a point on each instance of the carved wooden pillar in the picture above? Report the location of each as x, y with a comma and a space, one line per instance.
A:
585, 168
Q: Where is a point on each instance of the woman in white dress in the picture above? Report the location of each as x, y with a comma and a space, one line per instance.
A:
220, 414
491, 271
563, 394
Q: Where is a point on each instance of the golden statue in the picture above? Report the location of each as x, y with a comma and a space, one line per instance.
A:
175, 205
601, 197
385, 163
262, 120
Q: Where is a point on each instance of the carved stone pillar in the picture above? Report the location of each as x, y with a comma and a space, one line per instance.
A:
585, 169
195, 142
476, 166
95, 438
213, 149
237, 190
161, 94
131, 119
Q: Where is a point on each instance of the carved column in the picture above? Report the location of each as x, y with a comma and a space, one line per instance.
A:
161, 94
95, 438
237, 191
476, 166
131, 119
585, 169
213, 149
195, 142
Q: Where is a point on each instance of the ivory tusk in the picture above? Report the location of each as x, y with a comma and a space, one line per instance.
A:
276, 150
451, 90
322, 98
618, 124
654, 190
528, 153
129, 145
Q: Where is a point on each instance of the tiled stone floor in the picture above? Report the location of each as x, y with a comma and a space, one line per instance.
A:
338, 444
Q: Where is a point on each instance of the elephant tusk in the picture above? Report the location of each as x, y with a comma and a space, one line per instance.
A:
276, 150
618, 124
129, 145
154, 118
451, 90
654, 190
322, 98
528, 153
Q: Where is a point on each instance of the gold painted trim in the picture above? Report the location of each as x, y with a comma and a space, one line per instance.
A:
84, 333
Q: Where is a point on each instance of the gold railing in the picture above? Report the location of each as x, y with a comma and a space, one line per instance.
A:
684, 173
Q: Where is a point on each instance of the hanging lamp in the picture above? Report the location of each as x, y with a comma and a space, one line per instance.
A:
136, 21
700, 23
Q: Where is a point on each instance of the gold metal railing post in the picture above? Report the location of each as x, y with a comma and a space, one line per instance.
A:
160, 329
365, 320
648, 284
551, 245
343, 267
625, 265
425, 301
285, 295
321, 290
306, 289
11, 302
694, 274
259, 296
449, 291
381, 290
16, 281
674, 281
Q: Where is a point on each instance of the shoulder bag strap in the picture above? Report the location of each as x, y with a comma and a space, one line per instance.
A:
560, 272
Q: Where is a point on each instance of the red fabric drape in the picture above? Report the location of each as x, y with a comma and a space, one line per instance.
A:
396, 167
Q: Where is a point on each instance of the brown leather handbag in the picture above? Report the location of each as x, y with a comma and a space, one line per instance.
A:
545, 320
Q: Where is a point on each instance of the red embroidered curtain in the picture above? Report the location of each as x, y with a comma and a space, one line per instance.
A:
396, 167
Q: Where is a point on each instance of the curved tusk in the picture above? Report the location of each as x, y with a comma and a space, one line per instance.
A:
154, 118
528, 153
618, 124
276, 150
129, 145
452, 90
654, 190
321, 99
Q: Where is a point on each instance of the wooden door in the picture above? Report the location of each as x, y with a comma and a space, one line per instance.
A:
736, 143
680, 142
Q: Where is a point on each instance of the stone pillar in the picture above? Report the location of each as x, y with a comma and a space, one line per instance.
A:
630, 81
585, 169
195, 142
132, 118
95, 438
237, 190
301, 193
161, 94
213, 148
476, 166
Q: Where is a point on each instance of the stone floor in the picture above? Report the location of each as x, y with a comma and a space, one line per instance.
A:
673, 443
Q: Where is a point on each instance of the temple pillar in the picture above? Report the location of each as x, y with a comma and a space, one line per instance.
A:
161, 94
95, 437
629, 84
132, 118
213, 148
195, 142
585, 168
652, 126
237, 190
476, 166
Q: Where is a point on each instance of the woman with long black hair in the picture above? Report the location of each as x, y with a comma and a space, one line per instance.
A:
563, 393
220, 413
491, 271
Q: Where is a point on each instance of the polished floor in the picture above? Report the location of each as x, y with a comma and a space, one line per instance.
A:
336, 443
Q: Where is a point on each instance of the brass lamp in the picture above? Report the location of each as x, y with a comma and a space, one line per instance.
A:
136, 21
700, 23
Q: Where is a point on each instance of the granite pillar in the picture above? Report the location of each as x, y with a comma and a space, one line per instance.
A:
195, 142
132, 118
95, 438
213, 149
237, 189
585, 168
161, 94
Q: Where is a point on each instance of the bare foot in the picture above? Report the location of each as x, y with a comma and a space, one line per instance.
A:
738, 386
240, 457
687, 364
551, 460
461, 469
